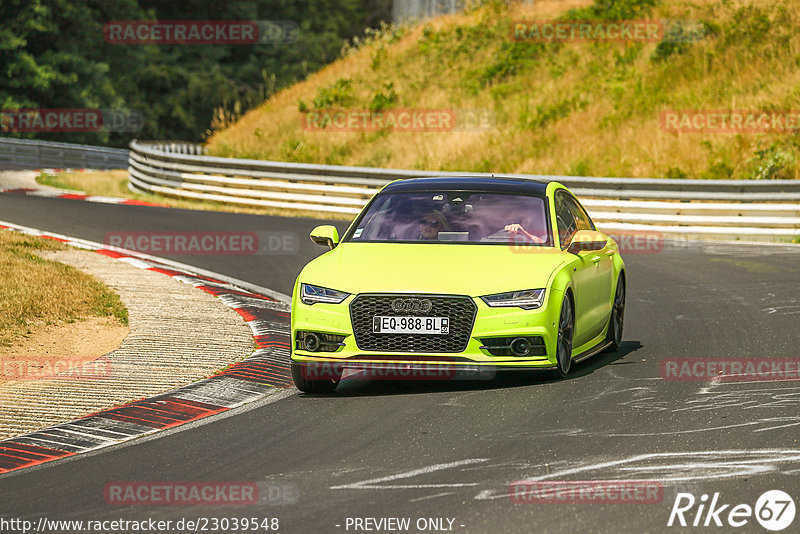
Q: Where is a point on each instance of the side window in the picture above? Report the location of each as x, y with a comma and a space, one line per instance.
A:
582, 218
565, 220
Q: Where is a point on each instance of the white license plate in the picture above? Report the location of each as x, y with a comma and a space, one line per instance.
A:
410, 325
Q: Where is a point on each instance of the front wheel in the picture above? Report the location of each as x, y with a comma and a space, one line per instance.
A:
314, 380
617, 319
566, 328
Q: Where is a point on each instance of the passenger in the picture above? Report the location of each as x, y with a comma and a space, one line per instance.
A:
516, 230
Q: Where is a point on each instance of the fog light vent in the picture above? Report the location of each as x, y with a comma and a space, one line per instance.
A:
318, 342
522, 346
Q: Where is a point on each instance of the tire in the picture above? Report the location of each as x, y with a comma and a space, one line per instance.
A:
566, 330
314, 385
617, 320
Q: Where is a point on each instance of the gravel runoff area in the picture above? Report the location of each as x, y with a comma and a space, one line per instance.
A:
178, 334
26, 179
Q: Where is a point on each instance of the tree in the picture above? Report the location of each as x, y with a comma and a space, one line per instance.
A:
53, 55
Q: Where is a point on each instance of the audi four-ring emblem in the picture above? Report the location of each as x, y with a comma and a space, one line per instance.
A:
411, 305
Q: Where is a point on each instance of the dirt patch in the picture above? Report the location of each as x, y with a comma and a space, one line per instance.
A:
73, 349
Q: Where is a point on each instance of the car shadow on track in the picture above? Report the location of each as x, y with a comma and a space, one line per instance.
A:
601, 360
359, 387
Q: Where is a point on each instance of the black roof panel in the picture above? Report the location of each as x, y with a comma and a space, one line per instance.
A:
499, 184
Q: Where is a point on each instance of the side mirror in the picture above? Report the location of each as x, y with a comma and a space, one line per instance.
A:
326, 235
587, 240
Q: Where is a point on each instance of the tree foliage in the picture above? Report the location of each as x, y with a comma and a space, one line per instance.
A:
53, 55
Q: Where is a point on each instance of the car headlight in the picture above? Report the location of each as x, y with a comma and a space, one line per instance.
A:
312, 294
527, 299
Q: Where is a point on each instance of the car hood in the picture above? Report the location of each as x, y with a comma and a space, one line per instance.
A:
433, 268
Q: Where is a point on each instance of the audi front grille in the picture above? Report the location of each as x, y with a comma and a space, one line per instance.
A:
461, 311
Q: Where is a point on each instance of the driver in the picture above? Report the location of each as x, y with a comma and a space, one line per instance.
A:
431, 224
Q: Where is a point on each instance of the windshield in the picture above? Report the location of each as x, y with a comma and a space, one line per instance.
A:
454, 217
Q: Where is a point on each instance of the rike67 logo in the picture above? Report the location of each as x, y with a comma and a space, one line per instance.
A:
774, 510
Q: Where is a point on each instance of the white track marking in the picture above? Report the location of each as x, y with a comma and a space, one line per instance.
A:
373, 482
139, 264
706, 467
431, 496
795, 422
705, 390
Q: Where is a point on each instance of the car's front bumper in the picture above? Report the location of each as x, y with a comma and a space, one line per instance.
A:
488, 323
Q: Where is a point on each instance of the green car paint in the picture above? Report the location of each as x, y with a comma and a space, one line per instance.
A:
590, 277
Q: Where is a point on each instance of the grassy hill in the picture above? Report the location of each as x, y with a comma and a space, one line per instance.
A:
576, 108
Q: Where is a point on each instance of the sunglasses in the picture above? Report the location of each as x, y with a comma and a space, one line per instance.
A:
434, 223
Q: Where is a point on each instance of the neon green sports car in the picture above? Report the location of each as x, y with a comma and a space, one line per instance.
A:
471, 274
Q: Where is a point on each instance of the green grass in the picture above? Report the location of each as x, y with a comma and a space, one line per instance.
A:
54, 180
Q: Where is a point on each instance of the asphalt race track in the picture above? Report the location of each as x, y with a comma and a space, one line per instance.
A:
451, 449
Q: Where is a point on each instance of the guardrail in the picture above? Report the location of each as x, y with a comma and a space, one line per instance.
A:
732, 209
21, 154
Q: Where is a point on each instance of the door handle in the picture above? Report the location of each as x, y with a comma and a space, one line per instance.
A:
596, 259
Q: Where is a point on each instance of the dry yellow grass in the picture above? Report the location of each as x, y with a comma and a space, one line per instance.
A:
575, 108
34, 291
101, 183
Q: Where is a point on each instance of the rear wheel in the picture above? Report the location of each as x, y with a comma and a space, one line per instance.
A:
566, 328
309, 381
617, 319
